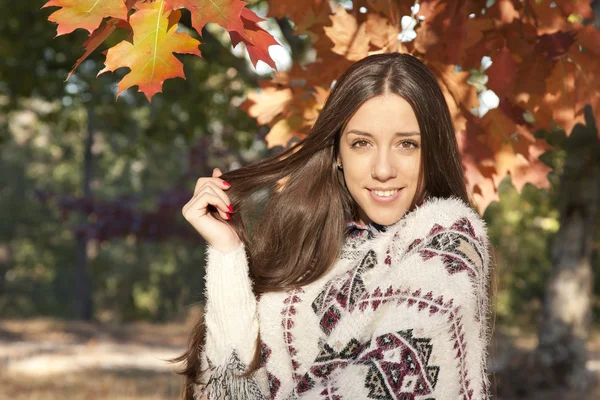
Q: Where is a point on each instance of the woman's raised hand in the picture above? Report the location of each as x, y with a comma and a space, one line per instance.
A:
219, 235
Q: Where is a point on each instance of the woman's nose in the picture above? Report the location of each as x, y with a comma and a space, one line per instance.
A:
383, 168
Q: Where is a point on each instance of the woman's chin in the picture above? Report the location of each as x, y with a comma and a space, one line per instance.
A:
386, 218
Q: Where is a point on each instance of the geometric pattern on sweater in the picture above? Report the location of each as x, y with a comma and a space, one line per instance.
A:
419, 349
455, 247
386, 379
342, 294
287, 322
274, 383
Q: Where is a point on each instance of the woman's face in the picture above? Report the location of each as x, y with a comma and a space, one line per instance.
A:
380, 153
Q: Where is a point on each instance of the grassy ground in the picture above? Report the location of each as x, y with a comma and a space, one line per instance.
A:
45, 359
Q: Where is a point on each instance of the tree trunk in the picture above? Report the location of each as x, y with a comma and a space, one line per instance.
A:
566, 314
83, 301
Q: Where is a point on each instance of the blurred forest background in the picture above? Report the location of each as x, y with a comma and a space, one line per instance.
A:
100, 276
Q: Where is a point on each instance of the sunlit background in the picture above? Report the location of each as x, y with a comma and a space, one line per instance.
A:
100, 276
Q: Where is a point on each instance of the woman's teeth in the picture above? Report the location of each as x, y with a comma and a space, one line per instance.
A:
384, 193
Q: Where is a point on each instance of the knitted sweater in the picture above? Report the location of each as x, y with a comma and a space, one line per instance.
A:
401, 315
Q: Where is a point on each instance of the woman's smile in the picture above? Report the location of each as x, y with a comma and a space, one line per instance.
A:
385, 195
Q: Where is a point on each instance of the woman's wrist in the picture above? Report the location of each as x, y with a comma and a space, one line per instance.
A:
227, 248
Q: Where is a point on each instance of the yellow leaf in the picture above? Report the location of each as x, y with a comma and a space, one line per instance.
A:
150, 57
85, 14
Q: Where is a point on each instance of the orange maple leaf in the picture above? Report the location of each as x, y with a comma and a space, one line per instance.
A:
150, 56
283, 131
225, 13
573, 83
516, 151
460, 96
296, 10
86, 14
96, 39
478, 165
267, 104
441, 35
382, 33
349, 38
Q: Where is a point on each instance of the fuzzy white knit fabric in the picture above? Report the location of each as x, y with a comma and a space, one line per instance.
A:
401, 315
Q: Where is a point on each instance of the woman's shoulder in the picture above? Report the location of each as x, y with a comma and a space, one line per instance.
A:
438, 212
439, 220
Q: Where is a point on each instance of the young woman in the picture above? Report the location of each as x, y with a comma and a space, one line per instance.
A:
366, 275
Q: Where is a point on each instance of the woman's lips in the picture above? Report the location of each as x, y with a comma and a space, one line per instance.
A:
388, 199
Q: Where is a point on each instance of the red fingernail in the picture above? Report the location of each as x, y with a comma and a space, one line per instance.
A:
226, 184
230, 208
228, 216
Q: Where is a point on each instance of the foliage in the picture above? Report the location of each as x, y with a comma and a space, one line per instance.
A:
507, 68
153, 25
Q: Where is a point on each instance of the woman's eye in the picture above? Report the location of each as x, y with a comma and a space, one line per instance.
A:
360, 143
408, 145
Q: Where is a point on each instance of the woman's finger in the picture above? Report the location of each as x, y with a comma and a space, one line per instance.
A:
211, 187
206, 198
218, 181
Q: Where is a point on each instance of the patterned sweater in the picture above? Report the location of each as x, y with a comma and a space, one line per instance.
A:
401, 315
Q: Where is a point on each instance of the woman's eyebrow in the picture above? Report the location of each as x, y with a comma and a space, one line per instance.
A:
403, 134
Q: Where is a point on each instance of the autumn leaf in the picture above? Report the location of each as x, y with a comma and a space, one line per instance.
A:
225, 13
516, 151
296, 10
478, 164
589, 39
257, 41
239, 21
441, 35
96, 39
150, 57
267, 104
546, 18
504, 11
573, 83
282, 132
460, 96
582, 8
382, 33
349, 38
85, 14
502, 74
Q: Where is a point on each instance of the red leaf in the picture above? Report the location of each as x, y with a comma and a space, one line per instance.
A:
441, 35
556, 45
257, 42
502, 73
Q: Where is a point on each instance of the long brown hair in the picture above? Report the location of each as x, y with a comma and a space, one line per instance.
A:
299, 235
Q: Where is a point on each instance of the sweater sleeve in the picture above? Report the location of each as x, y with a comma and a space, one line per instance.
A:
231, 322
427, 323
